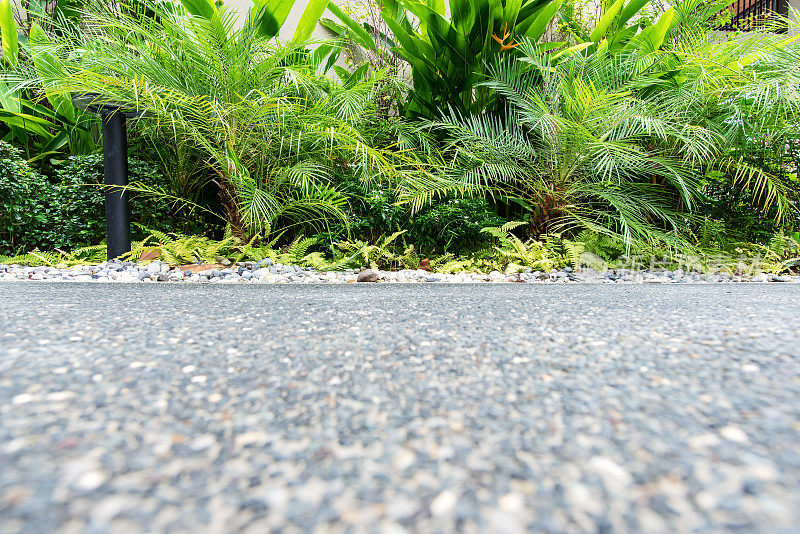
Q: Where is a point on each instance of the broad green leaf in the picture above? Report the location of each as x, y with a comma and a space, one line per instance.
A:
309, 19
410, 44
569, 51
511, 12
364, 38
606, 20
651, 38
329, 52
48, 67
341, 72
357, 76
463, 15
438, 6
621, 37
53, 146
8, 32
539, 25
8, 98
446, 39
199, 8
268, 16
631, 9
421, 11
29, 123
530, 8
334, 27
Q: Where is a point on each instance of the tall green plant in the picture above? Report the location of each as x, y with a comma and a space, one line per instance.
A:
745, 91
36, 117
578, 147
448, 49
270, 129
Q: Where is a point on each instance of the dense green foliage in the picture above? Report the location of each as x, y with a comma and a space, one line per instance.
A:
451, 224
41, 121
449, 49
67, 211
638, 131
77, 194
270, 128
23, 210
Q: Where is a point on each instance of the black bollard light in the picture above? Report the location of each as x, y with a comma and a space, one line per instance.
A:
115, 178
115, 171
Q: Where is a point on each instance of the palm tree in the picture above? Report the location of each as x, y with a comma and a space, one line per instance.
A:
746, 91
576, 146
261, 115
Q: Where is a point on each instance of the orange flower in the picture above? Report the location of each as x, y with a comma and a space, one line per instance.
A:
502, 41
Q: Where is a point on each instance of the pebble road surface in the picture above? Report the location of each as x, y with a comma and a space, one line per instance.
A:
369, 408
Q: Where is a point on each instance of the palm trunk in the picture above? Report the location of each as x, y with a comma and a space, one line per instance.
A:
227, 197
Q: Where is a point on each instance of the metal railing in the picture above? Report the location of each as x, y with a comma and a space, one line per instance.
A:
752, 14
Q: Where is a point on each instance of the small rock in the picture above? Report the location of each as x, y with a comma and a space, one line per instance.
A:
733, 433
367, 276
91, 480
444, 503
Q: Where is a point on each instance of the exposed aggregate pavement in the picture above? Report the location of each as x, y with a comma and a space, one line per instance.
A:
428, 408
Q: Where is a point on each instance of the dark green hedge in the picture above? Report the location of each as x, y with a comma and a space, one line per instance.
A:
67, 210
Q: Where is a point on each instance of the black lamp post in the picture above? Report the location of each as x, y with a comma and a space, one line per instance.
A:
115, 171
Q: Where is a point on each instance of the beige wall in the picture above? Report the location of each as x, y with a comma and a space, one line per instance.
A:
287, 30
243, 6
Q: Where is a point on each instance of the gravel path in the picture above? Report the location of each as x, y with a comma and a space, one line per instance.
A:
503, 408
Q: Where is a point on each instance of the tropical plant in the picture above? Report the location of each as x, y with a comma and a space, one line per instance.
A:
269, 126
177, 249
377, 55
577, 147
42, 121
448, 49
745, 91
520, 254
620, 25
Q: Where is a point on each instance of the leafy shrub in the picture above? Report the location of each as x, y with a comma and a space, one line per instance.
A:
67, 211
454, 224
606, 247
450, 224
79, 197
379, 255
24, 207
735, 209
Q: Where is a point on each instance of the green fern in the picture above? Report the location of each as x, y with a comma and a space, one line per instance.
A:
575, 251
409, 259
375, 256
299, 248
36, 258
